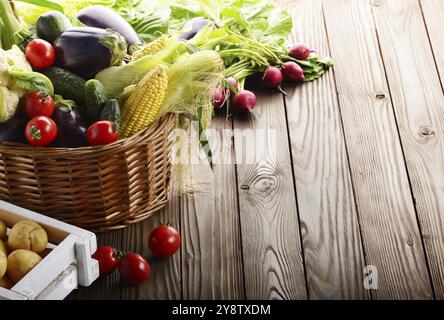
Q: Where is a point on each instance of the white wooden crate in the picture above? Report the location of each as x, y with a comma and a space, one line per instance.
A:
68, 265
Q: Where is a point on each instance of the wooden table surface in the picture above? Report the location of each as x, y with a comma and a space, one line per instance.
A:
350, 174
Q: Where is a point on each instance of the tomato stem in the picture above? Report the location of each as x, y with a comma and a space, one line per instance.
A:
43, 96
35, 133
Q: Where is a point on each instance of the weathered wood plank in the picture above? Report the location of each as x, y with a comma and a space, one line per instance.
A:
392, 241
334, 257
418, 101
212, 259
433, 11
273, 260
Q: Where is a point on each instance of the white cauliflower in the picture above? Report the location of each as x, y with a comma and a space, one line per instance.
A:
10, 94
9, 101
5, 79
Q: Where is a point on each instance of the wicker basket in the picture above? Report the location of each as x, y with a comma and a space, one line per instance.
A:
98, 188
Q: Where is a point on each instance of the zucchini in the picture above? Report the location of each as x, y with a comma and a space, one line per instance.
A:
95, 98
111, 112
51, 25
68, 85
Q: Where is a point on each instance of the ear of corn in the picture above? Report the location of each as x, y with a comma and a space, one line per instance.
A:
145, 101
151, 48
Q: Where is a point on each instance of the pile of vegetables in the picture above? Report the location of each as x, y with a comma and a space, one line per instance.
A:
89, 72
20, 251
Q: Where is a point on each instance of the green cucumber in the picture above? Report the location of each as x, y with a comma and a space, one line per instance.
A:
68, 85
51, 25
95, 97
111, 112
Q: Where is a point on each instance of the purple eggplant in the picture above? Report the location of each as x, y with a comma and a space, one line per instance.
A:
13, 130
87, 51
102, 17
193, 27
71, 127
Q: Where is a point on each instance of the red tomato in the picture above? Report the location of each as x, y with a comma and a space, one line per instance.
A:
134, 269
101, 132
107, 257
39, 103
164, 241
40, 131
40, 54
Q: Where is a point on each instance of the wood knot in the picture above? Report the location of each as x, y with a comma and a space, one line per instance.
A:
377, 3
426, 132
245, 187
265, 184
410, 242
380, 96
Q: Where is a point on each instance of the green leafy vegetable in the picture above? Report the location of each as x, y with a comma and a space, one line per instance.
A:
44, 3
31, 81
30, 10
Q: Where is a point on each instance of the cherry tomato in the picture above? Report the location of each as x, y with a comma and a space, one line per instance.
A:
107, 257
164, 241
40, 131
134, 269
39, 103
40, 54
101, 132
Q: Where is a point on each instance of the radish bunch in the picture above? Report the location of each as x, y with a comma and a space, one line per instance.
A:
301, 65
290, 70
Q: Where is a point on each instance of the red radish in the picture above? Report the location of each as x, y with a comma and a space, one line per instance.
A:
300, 51
273, 77
218, 98
244, 101
233, 83
292, 71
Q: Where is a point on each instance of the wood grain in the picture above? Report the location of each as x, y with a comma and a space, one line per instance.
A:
390, 231
433, 11
334, 256
419, 106
273, 261
212, 253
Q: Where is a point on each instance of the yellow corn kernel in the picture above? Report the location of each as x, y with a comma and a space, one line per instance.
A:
151, 48
144, 102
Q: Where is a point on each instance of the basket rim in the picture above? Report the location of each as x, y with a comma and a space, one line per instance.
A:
21, 148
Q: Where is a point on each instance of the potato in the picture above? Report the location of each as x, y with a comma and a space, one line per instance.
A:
20, 262
3, 248
6, 283
3, 264
27, 235
3, 230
